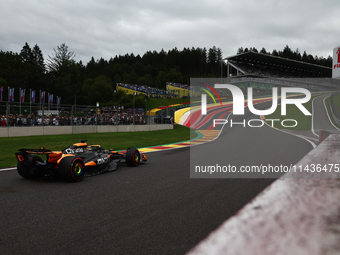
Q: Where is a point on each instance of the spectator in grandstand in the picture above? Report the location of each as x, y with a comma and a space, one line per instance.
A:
107, 117
3, 121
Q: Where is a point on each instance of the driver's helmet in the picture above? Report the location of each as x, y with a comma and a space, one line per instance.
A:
89, 148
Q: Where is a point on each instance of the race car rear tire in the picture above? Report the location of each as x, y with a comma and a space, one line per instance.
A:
28, 168
72, 169
132, 157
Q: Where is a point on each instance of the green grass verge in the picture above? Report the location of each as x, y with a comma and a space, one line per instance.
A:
330, 112
304, 122
336, 100
115, 141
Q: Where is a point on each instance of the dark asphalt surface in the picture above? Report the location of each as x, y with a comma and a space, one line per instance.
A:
321, 120
155, 208
152, 209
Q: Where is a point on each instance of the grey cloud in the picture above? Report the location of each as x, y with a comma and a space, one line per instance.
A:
107, 28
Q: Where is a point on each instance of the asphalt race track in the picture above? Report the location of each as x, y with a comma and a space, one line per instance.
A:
155, 208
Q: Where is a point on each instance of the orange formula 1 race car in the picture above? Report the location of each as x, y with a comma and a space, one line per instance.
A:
74, 162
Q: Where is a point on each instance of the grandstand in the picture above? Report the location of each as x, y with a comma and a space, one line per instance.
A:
150, 92
181, 90
263, 71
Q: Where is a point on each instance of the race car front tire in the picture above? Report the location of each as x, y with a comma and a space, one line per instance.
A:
132, 157
72, 169
28, 168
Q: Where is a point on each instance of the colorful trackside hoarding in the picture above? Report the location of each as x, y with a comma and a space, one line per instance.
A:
336, 63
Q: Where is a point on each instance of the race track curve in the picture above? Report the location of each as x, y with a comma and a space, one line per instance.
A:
155, 208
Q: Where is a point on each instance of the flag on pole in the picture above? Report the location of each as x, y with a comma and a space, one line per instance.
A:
11, 95
51, 100
1, 91
22, 95
42, 97
58, 102
33, 96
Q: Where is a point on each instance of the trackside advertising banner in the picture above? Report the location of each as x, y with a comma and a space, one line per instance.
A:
11, 94
33, 96
247, 128
58, 102
22, 95
51, 100
336, 63
42, 97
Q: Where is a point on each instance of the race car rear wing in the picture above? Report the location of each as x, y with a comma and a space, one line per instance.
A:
36, 151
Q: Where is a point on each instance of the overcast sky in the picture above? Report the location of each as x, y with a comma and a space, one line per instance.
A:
105, 28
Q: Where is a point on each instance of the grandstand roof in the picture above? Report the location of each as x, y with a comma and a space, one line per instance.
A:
259, 58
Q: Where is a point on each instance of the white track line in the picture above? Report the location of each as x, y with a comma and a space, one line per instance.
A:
7, 169
313, 118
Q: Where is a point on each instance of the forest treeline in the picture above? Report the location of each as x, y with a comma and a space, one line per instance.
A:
95, 81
